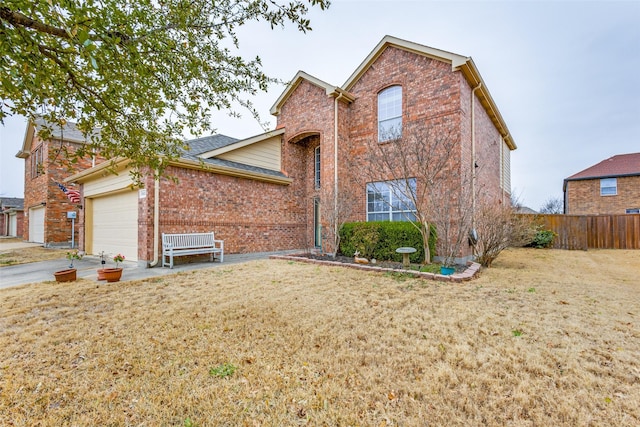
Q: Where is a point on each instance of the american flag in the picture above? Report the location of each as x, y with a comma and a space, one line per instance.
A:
72, 195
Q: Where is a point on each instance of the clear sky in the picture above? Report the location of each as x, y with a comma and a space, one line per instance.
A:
564, 75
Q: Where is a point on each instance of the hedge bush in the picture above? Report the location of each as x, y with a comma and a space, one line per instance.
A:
380, 239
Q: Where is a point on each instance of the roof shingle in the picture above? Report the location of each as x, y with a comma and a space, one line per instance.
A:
208, 143
619, 165
11, 202
68, 132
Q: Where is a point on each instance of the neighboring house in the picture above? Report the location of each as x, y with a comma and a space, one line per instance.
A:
265, 193
12, 219
47, 207
526, 210
609, 187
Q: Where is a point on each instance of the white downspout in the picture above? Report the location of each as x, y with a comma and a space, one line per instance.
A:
156, 222
335, 168
473, 157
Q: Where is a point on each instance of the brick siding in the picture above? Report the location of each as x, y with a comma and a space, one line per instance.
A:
42, 189
583, 197
432, 95
249, 215
308, 111
5, 220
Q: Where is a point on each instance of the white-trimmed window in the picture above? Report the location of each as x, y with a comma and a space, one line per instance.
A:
390, 113
316, 170
37, 164
608, 187
391, 200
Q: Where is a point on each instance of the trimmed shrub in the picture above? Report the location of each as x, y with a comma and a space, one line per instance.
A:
380, 239
365, 237
543, 239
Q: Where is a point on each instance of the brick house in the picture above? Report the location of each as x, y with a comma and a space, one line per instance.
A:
265, 193
46, 205
12, 216
609, 187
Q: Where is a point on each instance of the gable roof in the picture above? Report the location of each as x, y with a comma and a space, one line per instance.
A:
454, 59
458, 62
194, 157
331, 90
69, 132
618, 165
190, 161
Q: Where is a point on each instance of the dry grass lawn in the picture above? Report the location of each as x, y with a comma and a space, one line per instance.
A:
31, 254
543, 338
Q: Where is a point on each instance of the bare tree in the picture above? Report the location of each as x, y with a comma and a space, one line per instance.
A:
553, 205
452, 213
499, 227
335, 212
420, 166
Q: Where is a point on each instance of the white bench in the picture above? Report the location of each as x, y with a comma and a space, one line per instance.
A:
190, 244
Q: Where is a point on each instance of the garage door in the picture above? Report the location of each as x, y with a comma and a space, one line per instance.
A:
115, 225
13, 225
36, 224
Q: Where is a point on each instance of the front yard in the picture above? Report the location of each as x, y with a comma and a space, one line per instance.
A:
543, 338
21, 255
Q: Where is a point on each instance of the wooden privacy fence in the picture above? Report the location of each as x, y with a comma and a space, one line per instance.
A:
593, 231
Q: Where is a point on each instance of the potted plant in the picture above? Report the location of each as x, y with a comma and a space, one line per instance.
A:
114, 274
69, 274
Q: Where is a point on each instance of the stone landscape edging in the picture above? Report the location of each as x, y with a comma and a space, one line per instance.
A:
470, 273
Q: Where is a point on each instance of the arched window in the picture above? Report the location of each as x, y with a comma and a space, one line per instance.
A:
390, 113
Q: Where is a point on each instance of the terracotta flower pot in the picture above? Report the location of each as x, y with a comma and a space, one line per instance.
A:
112, 274
101, 274
68, 275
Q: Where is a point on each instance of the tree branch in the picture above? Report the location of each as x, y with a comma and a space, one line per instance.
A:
17, 19
72, 77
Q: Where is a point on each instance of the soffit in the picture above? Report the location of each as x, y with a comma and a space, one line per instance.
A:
116, 165
27, 141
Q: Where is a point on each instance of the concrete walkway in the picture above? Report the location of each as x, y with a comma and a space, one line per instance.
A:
87, 267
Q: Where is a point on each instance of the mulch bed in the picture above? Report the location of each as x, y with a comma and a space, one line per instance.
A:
462, 273
382, 264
